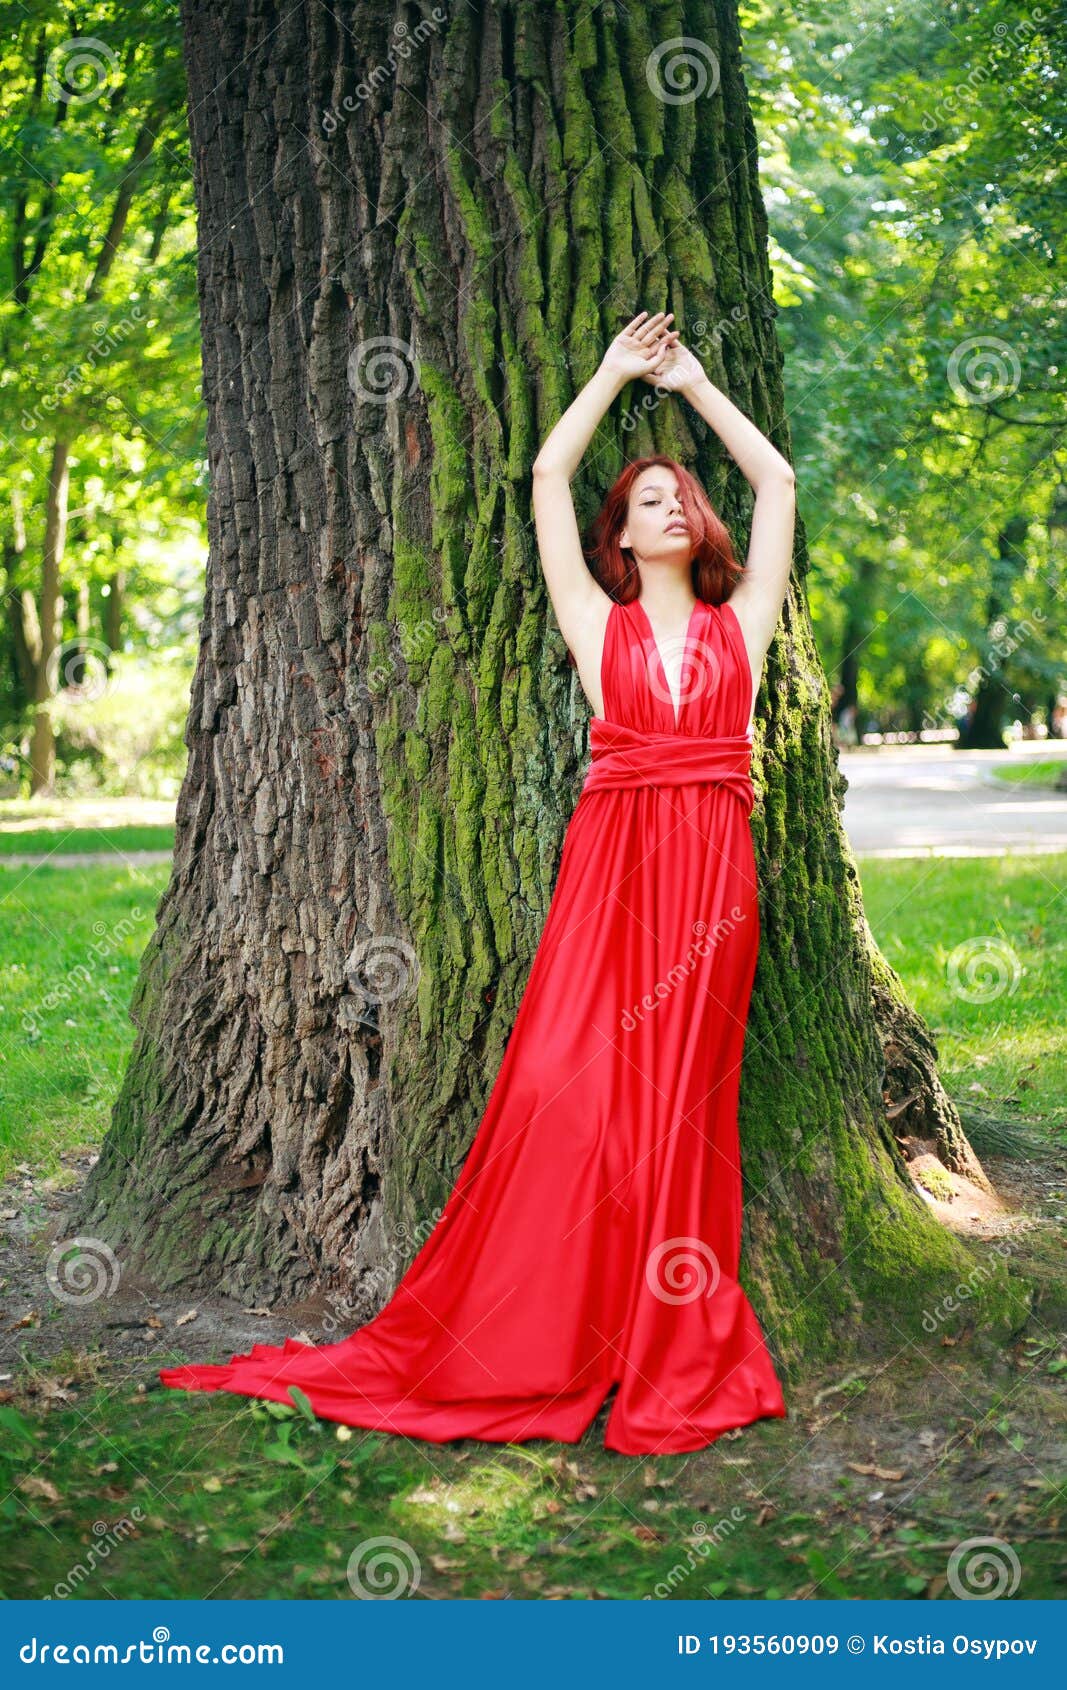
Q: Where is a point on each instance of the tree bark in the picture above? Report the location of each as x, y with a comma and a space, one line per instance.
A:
42, 738
399, 296
114, 608
992, 698
857, 626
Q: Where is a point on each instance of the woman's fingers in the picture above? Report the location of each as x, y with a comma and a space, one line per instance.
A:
654, 326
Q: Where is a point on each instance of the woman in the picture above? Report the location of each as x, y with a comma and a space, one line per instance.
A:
592, 1237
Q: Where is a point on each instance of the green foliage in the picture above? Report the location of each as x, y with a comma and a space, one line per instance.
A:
908, 159
124, 735
99, 334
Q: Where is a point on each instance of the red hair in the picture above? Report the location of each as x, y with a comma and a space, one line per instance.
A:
715, 568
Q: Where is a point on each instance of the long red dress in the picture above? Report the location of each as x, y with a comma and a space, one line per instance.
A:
592, 1236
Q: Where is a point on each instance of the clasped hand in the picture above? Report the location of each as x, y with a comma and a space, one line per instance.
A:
648, 350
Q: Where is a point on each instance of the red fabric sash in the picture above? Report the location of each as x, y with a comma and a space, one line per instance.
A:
626, 757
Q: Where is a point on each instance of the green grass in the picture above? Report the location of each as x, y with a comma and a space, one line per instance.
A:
44, 841
1043, 774
70, 942
981, 946
237, 1498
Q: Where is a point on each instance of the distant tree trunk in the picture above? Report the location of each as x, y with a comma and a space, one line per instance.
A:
992, 696
385, 736
42, 740
23, 625
114, 606
857, 627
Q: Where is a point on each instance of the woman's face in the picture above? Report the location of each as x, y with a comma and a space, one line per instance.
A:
656, 529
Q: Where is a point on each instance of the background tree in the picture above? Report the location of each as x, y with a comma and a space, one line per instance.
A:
909, 166
96, 331
412, 249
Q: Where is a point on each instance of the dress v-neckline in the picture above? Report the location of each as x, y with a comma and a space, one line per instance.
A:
676, 713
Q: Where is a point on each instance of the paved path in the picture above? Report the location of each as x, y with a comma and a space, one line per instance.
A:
86, 859
930, 800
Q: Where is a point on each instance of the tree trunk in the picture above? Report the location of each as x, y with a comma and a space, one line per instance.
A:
857, 626
114, 606
385, 736
24, 628
992, 697
42, 739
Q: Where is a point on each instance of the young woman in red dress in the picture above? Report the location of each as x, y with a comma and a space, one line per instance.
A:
592, 1238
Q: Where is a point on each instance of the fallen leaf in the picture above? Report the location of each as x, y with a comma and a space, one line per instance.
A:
871, 1471
184, 1319
53, 1391
32, 1484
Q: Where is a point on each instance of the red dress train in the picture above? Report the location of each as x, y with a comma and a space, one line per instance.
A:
592, 1236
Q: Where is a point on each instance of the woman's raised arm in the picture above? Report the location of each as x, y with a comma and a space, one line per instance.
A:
580, 603
758, 597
